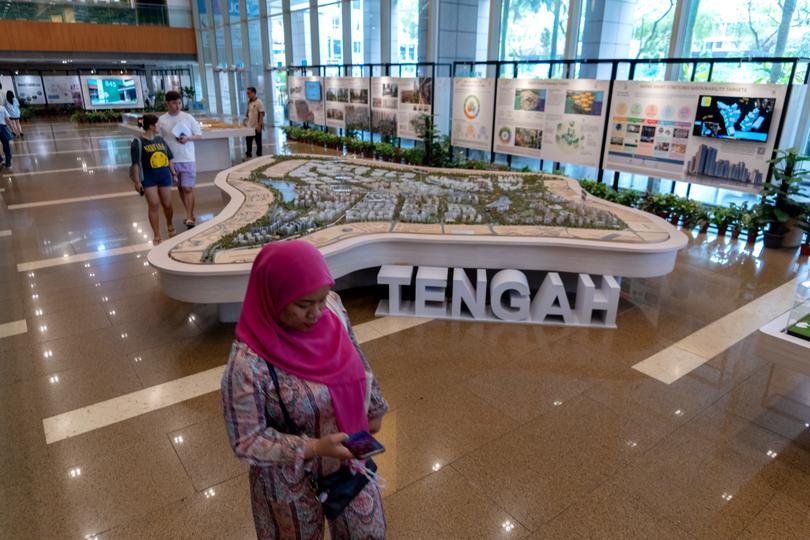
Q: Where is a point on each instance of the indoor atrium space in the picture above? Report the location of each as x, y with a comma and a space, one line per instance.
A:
404, 269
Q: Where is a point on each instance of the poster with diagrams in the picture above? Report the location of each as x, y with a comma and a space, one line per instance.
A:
398, 104
66, 89
347, 102
29, 89
559, 120
710, 133
472, 112
305, 100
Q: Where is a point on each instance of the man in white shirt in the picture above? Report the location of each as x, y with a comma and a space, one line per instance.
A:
254, 118
179, 129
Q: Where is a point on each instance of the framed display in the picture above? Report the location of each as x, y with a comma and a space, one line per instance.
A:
63, 89
112, 91
347, 103
473, 101
305, 99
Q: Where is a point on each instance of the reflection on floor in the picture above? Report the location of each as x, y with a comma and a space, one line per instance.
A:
496, 431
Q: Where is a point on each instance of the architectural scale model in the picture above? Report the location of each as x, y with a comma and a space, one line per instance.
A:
295, 197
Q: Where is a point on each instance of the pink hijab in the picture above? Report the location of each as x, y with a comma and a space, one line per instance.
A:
282, 273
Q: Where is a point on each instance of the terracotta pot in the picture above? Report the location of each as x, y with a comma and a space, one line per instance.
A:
773, 241
751, 236
804, 250
704, 227
793, 238
735, 233
721, 230
674, 219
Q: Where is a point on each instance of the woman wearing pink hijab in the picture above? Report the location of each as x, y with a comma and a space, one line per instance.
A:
294, 328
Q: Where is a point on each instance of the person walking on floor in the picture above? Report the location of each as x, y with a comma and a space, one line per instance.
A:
13, 108
6, 136
152, 173
179, 129
295, 384
254, 118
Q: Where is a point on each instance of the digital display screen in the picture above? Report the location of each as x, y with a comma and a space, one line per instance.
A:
106, 92
734, 118
312, 90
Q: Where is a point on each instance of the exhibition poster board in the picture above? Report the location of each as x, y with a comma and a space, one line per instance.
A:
305, 99
63, 89
29, 89
347, 102
399, 103
6, 84
559, 120
472, 112
112, 91
719, 134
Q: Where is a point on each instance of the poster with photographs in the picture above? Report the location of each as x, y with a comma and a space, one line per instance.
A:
559, 120
472, 112
398, 104
29, 89
709, 133
305, 100
347, 102
65, 89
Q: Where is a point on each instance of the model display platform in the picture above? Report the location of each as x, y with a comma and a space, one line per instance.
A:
213, 150
365, 214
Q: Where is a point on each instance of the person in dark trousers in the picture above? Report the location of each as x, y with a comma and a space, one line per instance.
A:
254, 118
6, 135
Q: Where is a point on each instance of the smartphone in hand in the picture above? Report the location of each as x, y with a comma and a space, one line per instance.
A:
362, 445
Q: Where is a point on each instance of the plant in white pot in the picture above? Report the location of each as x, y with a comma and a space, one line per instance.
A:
782, 207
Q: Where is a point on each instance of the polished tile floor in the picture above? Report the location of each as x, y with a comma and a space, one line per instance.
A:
496, 431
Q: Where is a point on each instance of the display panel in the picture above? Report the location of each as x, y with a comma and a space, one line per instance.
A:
737, 118
29, 89
305, 99
560, 120
473, 101
63, 89
399, 103
347, 103
112, 92
692, 131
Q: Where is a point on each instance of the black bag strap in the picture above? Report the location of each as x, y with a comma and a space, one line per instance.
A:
290, 426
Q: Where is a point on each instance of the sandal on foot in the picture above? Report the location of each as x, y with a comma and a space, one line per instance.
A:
171, 231
190, 223
156, 240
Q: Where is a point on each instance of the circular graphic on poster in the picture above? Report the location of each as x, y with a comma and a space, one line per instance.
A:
635, 109
505, 135
667, 111
684, 113
621, 108
471, 107
651, 110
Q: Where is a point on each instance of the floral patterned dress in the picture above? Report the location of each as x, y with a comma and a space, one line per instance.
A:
285, 506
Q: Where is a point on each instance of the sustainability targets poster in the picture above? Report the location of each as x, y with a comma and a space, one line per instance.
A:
398, 104
347, 102
472, 112
305, 100
709, 133
63, 89
560, 120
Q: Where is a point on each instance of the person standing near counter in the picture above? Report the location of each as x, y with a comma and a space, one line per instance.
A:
179, 129
254, 118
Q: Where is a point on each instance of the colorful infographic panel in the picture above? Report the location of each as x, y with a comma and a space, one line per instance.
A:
473, 102
560, 120
709, 133
29, 89
305, 100
63, 89
347, 103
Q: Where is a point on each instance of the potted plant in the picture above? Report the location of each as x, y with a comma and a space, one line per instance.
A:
751, 221
722, 218
804, 224
629, 197
703, 219
385, 151
690, 211
736, 219
780, 209
660, 204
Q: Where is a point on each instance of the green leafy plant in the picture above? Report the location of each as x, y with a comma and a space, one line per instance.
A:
781, 207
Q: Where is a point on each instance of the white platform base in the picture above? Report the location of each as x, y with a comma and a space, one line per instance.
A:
784, 350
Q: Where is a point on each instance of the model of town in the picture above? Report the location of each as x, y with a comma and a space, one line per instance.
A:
314, 194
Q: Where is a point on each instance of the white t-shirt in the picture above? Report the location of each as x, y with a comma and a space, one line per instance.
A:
171, 127
254, 108
4, 117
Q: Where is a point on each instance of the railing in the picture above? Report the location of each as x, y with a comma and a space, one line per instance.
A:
94, 13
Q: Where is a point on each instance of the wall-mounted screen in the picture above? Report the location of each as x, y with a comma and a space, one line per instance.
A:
735, 118
312, 90
112, 91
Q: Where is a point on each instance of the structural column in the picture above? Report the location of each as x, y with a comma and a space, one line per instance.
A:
195, 15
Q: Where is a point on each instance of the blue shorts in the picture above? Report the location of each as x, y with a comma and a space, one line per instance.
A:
159, 179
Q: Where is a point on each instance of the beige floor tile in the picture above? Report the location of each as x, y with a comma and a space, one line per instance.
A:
206, 455
225, 514
444, 505
550, 463
68, 323
609, 512
187, 356
782, 519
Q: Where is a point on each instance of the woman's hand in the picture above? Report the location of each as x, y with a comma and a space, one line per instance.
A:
138, 186
374, 425
328, 446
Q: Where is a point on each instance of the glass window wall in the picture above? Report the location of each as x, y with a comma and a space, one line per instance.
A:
330, 30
